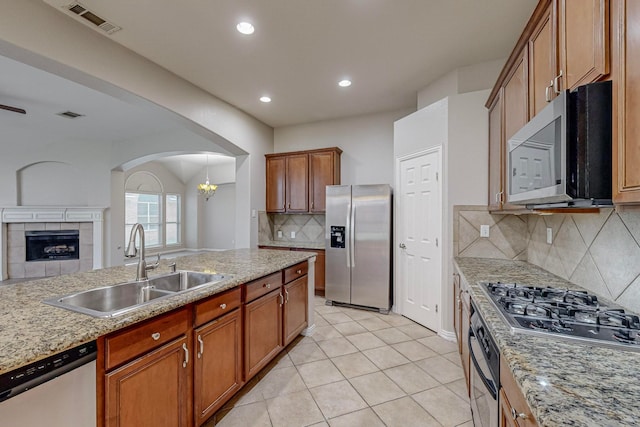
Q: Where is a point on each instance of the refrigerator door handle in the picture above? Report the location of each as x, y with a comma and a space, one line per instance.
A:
348, 228
352, 237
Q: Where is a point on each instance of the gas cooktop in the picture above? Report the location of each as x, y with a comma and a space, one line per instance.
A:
567, 313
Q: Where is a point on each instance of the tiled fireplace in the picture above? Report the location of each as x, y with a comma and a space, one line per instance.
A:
64, 240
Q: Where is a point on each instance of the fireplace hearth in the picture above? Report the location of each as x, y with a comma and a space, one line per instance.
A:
52, 245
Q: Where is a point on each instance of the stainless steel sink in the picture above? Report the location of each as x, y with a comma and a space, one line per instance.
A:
114, 300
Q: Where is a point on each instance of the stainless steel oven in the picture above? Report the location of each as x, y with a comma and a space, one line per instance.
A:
484, 373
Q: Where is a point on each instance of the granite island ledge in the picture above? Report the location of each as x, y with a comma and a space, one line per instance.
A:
31, 330
565, 383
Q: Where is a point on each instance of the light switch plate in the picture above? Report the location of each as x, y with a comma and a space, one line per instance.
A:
549, 235
293, 234
280, 234
484, 231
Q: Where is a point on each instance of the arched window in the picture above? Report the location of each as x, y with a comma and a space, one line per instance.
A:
158, 212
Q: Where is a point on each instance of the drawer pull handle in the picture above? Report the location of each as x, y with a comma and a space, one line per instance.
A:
299, 271
186, 355
201, 347
223, 306
155, 336
286, 292
267, 285
281, 298
517, 415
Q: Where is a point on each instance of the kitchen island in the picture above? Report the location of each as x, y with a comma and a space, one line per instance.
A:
31, 330
564, 382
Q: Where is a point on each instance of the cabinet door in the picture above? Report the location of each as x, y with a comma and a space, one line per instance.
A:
319, 270
506, 419
464, 329
515, 115
276, 182
151, 391
262, 331
495, 154
457, 310
626, 102
583, 32
542, 64
295, 308
512, 401
297, 194
322, 172
218, 361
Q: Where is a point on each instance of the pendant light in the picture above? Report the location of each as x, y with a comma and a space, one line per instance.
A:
207, 189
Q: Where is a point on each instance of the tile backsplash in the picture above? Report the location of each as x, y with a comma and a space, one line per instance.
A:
598, 251
307, 228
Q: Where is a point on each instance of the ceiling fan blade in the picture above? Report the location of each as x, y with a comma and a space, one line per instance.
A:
14, 109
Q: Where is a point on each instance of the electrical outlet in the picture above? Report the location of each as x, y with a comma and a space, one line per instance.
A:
293, 234
484, 231
280, 234
549, 235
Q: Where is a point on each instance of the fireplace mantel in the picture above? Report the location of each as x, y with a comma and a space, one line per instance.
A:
31, 214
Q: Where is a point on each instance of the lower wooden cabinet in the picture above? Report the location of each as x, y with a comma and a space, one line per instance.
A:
461, 323
262, 331
319, 281
152, 390
295, 308
217, 364
514, 410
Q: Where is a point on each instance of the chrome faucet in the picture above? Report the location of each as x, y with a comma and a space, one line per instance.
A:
131, 251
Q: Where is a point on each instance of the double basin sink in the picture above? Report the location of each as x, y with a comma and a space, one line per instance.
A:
118, 299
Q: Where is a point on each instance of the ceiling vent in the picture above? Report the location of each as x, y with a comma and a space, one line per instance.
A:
83, 12
70, 115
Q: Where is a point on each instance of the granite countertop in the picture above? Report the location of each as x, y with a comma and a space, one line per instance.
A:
296, 245
566, 383
31, 330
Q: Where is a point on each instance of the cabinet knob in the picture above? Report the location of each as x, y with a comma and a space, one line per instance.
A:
517, 415
223, 306
155, 336
267, 285
298, 271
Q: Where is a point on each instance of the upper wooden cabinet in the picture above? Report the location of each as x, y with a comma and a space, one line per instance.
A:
626, 101
296, 181
542, 63
324, 169
565, 44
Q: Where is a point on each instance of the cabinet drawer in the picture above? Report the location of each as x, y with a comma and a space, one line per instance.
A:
262, 286
293, 272
217, 306
132, 342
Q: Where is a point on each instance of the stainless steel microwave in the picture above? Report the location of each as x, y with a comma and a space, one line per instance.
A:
562, 157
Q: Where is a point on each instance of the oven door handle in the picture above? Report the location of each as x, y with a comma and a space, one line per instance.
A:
489, 384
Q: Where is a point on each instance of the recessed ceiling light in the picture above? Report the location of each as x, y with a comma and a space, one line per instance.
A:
344, 83
265, 99
245, 28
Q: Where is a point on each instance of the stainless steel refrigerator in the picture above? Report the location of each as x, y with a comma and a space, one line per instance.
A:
358, 246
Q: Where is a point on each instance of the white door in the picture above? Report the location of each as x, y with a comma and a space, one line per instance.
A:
419, 237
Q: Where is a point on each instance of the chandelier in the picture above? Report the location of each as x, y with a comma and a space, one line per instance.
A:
207, 189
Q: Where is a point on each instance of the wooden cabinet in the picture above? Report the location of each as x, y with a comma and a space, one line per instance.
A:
626, 102
583, 41
275, 181
319, 267
217, 364
497, 152
324, 169
461, 323
542, 64
145, 372
295, 308
151, 390
262, 331
514, 410
217, 341
296, 181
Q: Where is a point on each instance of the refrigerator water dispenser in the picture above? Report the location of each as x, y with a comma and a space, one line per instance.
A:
337, 236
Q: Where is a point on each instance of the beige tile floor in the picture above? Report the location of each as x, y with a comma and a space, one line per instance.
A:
359, 368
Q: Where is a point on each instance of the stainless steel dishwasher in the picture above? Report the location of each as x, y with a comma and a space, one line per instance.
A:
59, 391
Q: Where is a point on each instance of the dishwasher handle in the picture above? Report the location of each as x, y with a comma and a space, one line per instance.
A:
482, 373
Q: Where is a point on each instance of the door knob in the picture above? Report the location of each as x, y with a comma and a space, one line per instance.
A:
403, 246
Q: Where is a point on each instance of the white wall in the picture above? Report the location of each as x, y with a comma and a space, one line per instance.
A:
36, 34
219, 218
461, 80
366, 142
